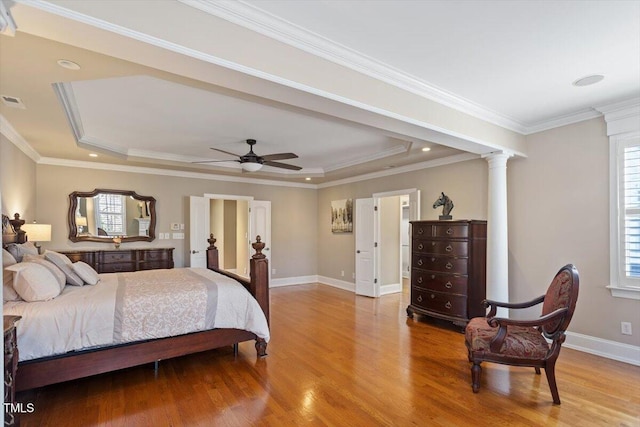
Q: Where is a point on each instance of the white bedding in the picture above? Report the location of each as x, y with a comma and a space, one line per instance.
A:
88, 316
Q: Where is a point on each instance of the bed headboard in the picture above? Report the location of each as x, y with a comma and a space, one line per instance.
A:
9, 234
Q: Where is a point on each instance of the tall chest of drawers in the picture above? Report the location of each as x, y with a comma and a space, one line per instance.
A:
448, 269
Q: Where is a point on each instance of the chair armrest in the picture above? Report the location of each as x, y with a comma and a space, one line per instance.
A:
502, 323
495, 304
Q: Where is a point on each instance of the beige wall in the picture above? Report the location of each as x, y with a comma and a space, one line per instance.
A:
559, 214
294, 211
389, 240
17, 182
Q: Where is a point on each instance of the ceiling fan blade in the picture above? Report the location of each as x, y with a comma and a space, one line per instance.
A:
216, 161
280, 156
225, 152
282, 165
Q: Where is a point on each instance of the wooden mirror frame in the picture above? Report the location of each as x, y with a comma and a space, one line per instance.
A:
73, 206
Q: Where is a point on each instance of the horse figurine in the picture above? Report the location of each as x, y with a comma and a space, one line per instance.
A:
446, 204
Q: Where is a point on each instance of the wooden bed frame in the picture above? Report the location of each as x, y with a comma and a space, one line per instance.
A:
79, 364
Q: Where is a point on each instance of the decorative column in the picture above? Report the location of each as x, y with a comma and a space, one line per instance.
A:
497, 230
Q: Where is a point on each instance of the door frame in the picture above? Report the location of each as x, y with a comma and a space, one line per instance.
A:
414, 214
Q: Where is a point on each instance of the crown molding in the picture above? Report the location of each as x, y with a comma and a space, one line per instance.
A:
168, 172
12, 135
456, 158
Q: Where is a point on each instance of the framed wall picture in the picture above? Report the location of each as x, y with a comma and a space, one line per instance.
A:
342, 216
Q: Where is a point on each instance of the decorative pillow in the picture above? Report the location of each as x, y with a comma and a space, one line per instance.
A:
18, 250
8, 293
86, 272
57, 273
64, 263
7, 258
34, 282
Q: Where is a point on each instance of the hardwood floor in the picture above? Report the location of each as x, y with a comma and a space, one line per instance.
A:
336, 359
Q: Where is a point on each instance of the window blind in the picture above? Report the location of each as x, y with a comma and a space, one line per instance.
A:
631, 200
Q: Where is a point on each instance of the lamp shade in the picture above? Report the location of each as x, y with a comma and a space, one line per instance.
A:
81, 221
38, 232
251, 166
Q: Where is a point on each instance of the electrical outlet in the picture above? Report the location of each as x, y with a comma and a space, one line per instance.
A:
178, 236
273, 271
175, 226
625, 328
342, 273
161, 236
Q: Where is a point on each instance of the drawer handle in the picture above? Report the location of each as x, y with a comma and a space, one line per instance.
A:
448, 305
433, 276
420, 230
449, 266
419, 279
448, 285
433, 243
420, 262
419, 299
433, 259
420, 246
448, 248
432, 296
449, 230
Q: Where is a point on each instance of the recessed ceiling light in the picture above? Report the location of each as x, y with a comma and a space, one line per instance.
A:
588, 80
425, 149
93, 155
69, 65
307, 179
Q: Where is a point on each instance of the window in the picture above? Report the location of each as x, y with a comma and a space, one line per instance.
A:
111, 213
625, 216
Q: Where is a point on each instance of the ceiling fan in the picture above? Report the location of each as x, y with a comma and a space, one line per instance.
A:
251, 162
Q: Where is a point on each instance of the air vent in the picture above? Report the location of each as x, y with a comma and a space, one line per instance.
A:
12, 101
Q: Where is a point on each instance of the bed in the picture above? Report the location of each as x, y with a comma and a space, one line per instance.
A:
125, 331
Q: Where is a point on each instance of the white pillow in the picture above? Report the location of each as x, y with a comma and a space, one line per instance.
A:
57, 273
7, 258
34, 282
86, 272
8, 293
18, 250
64, 263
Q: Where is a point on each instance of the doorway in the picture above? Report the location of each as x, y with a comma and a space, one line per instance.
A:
386, 231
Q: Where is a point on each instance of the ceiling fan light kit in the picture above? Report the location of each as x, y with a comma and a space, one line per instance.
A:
251, 167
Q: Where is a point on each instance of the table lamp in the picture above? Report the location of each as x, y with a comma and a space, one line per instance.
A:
38, 233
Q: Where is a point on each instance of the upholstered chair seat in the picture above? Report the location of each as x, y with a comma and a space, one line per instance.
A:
520, 342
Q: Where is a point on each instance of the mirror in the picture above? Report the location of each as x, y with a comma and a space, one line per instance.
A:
100, 215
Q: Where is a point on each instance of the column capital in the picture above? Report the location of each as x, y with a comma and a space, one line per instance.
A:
498, 154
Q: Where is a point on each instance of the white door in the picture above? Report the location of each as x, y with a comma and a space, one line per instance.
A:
365, 248
260, 225
198, 231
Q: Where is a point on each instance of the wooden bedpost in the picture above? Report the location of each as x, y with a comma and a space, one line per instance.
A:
260, 287
260, 276
212, 252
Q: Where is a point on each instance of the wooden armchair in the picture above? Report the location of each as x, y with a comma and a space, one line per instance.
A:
524, 342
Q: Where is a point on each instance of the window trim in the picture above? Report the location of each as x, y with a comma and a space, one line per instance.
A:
623, 122
619, 286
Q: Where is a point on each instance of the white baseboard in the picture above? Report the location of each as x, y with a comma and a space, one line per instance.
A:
390, 289
291, 281
588, 344
336, 283
605, 348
